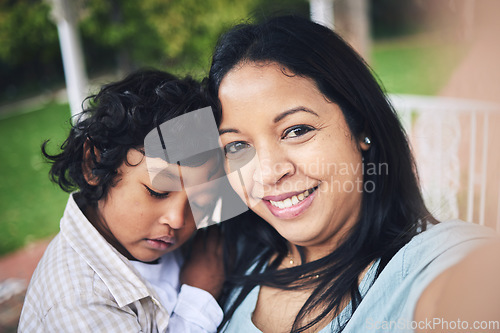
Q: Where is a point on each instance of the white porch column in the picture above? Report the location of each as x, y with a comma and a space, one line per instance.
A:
322, 12
65, 16
352, 22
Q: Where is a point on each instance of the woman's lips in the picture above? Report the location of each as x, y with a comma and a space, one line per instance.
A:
290, 205
160, 243
282, 196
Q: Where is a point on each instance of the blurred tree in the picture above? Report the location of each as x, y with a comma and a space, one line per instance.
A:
188, 29
177, 35
119, 29
26, 31
392, 18
264, 8
29, 52
158, 32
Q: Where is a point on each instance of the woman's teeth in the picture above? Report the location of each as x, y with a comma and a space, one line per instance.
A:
289, 202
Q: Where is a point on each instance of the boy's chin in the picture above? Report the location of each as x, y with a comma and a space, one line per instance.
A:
148, 259
152, 262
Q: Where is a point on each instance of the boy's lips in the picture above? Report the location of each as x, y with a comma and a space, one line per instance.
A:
161, 243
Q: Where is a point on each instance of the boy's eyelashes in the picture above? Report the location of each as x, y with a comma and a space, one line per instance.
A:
157, 195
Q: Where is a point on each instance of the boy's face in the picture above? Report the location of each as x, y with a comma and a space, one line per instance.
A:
146, 221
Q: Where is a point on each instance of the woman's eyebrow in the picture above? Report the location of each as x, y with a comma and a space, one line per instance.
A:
292, 111
278, 118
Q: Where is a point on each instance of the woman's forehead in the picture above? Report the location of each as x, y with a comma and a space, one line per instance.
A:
254, 79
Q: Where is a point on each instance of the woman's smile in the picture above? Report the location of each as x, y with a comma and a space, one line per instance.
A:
290, 205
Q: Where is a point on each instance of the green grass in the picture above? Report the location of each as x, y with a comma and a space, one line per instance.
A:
30, 205
415, 65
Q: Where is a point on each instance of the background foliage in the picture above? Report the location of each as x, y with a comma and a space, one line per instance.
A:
118, 36
29, 53
178, 35
121, 35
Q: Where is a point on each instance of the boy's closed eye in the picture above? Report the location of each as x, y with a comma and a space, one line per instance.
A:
157, 195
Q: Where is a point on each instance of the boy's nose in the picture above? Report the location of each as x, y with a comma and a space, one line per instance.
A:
175, 209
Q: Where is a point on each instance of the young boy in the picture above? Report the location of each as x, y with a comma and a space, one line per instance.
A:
115, 265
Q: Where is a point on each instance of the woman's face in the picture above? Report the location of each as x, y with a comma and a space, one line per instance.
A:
290, 155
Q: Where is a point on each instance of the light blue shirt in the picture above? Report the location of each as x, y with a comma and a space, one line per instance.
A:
389, 303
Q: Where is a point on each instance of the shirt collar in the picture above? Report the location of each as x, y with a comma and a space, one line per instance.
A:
120, 277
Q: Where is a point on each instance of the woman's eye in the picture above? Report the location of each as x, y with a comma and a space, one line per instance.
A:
238, 154
157, 195
296, 131
234, 149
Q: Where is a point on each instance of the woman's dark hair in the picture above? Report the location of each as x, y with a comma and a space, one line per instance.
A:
391, 214
118, 119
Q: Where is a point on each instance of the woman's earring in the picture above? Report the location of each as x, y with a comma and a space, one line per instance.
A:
367, 140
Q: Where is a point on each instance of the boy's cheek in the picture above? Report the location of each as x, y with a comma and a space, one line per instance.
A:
185, 233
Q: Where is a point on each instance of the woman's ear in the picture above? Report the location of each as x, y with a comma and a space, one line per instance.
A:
88, 164
365, 141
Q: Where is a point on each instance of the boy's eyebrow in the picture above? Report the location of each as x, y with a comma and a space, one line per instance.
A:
167, 172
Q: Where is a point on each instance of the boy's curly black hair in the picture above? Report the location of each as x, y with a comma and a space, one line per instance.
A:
117, 119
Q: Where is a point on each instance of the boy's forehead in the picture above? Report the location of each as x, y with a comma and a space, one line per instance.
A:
183, 137
166, 176
179, 151
184, 153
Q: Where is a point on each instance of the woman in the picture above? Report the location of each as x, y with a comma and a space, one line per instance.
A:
338, 237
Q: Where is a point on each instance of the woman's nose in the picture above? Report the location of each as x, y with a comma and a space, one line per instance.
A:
273, 165
175, 210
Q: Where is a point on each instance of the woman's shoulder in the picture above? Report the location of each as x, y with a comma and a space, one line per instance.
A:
449, 239
402, 281
436, 248
455, 230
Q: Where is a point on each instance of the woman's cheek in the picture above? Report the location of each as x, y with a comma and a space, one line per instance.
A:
242, 181
235, 182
